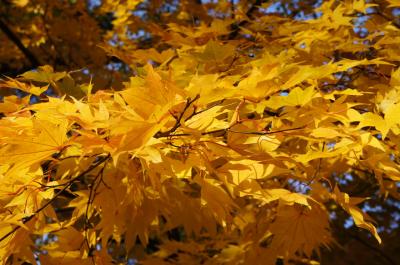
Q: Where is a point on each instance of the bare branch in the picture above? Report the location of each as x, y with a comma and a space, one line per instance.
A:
373, 248
241, 132
11, 35
383, 15
177, 124
236, 26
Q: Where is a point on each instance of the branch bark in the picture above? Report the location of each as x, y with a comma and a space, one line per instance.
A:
189, 102
375, 249
14, 38
236, 26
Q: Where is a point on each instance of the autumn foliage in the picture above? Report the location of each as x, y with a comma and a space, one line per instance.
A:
190, 132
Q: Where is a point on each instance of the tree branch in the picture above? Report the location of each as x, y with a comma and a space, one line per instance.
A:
241, 132
375, 249
189, 102
11, 35
236, 26
381, 14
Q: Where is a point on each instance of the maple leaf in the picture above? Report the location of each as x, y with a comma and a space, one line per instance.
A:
202, 132
45, 74
298, 228
45, 139
360, 218
29, 88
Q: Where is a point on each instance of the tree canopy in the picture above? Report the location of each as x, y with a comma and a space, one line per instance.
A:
199, 132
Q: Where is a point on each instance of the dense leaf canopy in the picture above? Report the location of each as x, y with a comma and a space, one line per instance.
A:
199, 132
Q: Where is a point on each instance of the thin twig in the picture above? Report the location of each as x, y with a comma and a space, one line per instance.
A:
241, 132
381, 14
203, 110
317, 170
267, 132
373, 248
177, 124
11, 35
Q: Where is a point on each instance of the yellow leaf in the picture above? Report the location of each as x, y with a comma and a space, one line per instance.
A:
349, 205
20, 3
394, 3
268, 143
285, 196
372, 119
215, 52
208, 120
299, 229
392, 116
48, 138
29, 88
296, 97
44, 74
325, 133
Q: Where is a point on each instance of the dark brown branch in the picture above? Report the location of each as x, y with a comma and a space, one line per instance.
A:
177, 124
11, 35
236, 26
203, 110
318, 169
92, 194
375, 249
242, 132
381, 14
268, 132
